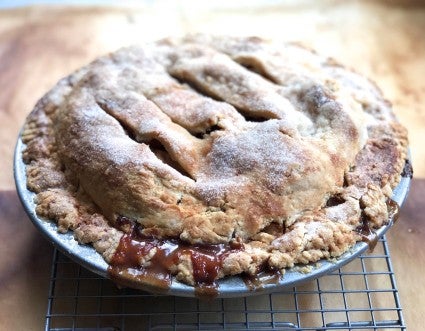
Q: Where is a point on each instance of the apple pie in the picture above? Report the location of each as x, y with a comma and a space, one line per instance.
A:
201, 157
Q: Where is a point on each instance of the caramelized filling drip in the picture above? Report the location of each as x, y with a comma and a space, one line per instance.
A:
150, 261
407, 170
264, 277
368, 234
393, 210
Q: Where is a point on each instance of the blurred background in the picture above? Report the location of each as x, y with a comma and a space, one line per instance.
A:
42, 41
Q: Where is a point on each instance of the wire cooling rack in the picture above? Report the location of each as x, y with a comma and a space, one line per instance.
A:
360, 296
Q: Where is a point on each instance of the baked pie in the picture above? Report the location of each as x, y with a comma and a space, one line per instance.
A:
203, 157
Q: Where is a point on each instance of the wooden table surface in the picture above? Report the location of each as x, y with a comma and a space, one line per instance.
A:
384, 40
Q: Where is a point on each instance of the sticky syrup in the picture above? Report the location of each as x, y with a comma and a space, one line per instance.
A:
265, 277
126, 267
407, 170
369, 235
393, 210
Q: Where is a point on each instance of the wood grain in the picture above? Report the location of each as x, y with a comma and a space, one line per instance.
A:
406, 240
38, 45
24, 268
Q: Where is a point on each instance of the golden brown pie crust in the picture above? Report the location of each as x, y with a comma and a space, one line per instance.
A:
216, 140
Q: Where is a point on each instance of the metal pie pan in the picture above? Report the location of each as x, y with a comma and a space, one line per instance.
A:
229, 287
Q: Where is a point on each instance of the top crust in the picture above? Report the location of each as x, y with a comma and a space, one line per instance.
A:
212, 140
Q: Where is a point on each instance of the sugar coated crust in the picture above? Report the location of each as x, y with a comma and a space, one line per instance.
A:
216, 140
